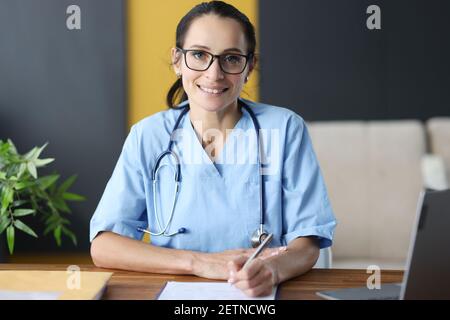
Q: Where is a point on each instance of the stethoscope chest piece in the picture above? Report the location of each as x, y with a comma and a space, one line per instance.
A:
258, 237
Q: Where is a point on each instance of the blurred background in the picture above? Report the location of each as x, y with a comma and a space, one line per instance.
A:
377, 102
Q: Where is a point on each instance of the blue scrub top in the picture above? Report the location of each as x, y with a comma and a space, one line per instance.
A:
218, 202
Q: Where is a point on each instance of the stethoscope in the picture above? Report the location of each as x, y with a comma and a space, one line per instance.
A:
257, 237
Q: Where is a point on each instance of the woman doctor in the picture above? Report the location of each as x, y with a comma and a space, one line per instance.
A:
205, 205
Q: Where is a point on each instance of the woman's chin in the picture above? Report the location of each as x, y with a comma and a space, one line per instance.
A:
214, 104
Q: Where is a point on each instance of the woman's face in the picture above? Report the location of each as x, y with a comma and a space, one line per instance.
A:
215, 35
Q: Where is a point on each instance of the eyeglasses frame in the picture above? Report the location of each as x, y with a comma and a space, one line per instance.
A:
214, 56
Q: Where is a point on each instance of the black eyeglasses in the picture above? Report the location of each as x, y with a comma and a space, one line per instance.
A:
200, 60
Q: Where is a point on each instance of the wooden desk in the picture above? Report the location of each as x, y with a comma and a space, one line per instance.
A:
135, 285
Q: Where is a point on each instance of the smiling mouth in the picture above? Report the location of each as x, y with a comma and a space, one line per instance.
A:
212, 91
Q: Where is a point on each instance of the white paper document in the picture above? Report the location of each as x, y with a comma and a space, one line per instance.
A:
28, 295
206, 291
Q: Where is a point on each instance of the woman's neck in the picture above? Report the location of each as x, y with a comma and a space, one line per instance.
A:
223, 120
212, 128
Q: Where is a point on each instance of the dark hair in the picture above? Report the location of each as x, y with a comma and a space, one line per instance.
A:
176, 92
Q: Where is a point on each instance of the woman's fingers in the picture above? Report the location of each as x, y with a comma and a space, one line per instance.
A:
257, 279
236, 264
262, 290
264, 276
235, 260
238, 273
259, 285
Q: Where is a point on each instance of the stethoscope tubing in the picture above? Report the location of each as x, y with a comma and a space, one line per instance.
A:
177, 175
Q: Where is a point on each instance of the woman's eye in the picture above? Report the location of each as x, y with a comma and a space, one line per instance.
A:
233, 59
198, 54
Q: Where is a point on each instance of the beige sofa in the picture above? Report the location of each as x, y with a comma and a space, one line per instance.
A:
439, 140
374, 173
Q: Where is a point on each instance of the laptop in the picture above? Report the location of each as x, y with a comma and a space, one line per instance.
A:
427, 274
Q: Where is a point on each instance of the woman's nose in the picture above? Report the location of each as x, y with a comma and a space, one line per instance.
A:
214, 71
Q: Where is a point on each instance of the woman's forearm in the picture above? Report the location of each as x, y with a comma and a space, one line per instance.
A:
110, 250
300, 256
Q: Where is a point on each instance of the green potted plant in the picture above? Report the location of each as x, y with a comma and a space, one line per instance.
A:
23, 194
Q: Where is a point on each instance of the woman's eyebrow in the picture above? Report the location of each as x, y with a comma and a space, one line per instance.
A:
208, 48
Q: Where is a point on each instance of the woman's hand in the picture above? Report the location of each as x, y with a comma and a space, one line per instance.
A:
257, 279
215, 265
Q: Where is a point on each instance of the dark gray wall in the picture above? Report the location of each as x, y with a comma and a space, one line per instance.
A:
319, 58
67, 88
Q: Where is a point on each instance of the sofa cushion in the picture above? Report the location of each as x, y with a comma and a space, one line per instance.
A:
439, 137
342, 151
395, 182
373, 175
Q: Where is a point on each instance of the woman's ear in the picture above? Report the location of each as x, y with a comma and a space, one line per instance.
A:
251, 66
176, 59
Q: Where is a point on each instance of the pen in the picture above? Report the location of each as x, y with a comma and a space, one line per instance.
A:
260, 248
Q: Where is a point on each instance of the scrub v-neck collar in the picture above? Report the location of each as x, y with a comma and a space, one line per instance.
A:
212, 168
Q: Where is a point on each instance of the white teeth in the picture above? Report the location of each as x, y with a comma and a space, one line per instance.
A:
215, 91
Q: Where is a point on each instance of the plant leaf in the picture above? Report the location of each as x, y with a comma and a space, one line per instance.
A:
18, 203
47, 181
50, 227
42, 162
51, 218
12, 147
22, 212
32, 169
66, 184
23, 184
22, 169
8, 195
73, 196
60, 204
38, 151
10, 238
30, 154
70, 234
22, 226
4, 224
34, 153
57, 235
